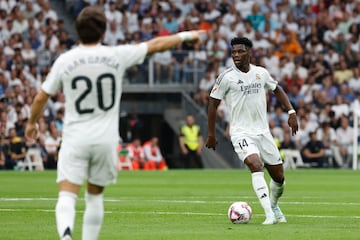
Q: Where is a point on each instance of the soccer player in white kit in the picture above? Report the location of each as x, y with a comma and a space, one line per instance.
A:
91, 78
244, 87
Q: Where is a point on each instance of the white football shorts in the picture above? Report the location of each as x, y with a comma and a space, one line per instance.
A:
263, 145
95, 163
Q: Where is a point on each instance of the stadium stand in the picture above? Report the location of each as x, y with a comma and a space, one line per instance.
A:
311, 47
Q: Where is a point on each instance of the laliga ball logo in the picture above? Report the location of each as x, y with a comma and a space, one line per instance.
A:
239, 212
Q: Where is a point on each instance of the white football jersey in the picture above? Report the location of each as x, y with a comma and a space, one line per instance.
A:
245, 96
91, 78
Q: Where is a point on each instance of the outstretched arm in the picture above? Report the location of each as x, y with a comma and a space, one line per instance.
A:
211, 139
284, 100
160, 44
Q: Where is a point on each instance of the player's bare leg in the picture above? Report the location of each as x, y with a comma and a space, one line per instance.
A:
94, 212
277, 185
260, 187
65, 208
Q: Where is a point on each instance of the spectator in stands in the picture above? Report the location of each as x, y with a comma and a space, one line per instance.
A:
278, 116
314, 151
44, 54
17, 148
230, 16
191, 143
287, 142
329, 88
196, 61
344, 135
48, 12
28, 54
244, 6
205, 85
298, 9
170, 22
30, 9
330, 35
3, 83
327, 135
249, 31
163, 66
340, 107
113, 34
179, 61
255, 17
2, 158
276, 131
294, 94
291, 44
339, 45
302, 136
343, 73
6, 122
354, 82
153, 157
59, 120
34, 40
223, 118
216, 56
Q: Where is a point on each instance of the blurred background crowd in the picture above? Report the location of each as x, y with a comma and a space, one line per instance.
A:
311, 47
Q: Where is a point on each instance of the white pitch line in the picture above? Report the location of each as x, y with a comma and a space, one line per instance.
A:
36, 210
175, 213
187, 201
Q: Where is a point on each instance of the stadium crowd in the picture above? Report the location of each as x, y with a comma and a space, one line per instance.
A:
311, 47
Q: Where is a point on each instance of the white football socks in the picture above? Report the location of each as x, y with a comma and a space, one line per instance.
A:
65, 211
262, 191
93, 216
276, 190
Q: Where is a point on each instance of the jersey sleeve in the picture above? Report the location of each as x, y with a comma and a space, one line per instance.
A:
132, 54
220, 87
53, 80
270, 82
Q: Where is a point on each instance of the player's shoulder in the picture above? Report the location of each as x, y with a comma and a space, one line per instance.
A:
226, 72
258, 68
69, 54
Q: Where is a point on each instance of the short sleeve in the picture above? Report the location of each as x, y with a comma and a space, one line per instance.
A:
270, 82
132, 55
220, 87
53, 80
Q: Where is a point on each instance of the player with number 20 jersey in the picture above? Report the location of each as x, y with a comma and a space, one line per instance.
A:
91, 76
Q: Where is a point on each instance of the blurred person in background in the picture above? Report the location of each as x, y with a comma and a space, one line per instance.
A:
314, 151
327, 135
17, 148
136, 154
152, 154
205, 85
191, 143
344, 135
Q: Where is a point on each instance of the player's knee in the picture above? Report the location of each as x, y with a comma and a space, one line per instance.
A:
253, 163
279, 178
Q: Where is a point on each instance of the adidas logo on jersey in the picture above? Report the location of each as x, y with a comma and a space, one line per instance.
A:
240, 82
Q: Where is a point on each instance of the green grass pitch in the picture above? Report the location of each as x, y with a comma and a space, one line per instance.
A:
186, 205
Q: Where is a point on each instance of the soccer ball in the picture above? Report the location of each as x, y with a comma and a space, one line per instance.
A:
239, 212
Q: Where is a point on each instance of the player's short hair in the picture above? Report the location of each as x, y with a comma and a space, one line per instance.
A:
241, 40
90, 25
